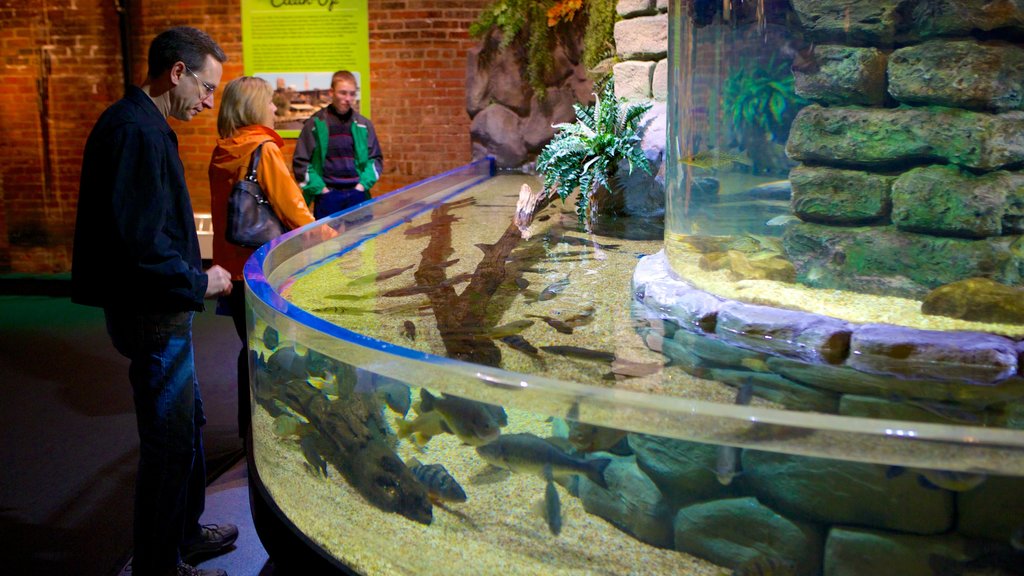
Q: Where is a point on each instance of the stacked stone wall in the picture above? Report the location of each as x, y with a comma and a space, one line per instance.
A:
912, 153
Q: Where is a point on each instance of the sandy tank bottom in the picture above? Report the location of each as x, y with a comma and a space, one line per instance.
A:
498, 530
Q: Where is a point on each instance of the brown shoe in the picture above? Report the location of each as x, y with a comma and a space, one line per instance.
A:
213, 540
189, 570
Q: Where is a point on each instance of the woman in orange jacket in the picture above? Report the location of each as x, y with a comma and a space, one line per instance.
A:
246, 120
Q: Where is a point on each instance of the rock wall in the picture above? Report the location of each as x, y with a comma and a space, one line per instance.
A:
510, 121
911, 174
513, 124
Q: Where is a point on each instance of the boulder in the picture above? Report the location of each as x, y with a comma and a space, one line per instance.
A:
977, 299
883, 137
948, 201
737, 531
959, 73
496, 129
843, 75
840, 197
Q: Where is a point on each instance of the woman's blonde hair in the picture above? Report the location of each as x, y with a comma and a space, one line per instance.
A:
244, 102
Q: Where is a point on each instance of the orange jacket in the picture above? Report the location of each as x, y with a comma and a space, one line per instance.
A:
228, 165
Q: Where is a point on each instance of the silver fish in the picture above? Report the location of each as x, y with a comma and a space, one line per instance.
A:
529, 454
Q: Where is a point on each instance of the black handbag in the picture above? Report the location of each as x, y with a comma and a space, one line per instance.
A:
251, 219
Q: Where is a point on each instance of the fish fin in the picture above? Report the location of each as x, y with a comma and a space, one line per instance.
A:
403, 427
421, 439
926, 483
426, 400
744, 394
894, 471
595, 471
574, 411
413, 463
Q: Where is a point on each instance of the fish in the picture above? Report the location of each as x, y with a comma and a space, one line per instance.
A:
379, 276
475, 423
591, 438
422, 428
417, 289
440, 485
287, 424
328, 384
577, 241
271, 338
622, 368
783, 220
348, 297
519, 343
555, 323
586, 316
530, 454
409, 330
314, 462
714, 160
727, 462
941, 479
765, 565
509, 329
553, 289
552, 504
395, 393
344, 310
580, 353
522, 283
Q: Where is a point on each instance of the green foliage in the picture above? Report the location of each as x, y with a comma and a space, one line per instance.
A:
599, 37
585, 154
762, 98
527, 24
509, 16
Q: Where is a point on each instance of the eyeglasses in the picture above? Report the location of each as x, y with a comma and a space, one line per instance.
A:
206, 86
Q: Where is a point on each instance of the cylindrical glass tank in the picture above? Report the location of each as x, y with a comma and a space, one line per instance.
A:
437, 392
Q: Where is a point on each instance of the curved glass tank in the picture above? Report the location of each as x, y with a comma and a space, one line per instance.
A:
792, 373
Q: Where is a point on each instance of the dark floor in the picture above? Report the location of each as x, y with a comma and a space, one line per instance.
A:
69, 445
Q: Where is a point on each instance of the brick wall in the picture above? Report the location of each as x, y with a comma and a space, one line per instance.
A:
61, 67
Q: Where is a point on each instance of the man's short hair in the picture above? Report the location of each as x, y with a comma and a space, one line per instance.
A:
344, 75
184, 44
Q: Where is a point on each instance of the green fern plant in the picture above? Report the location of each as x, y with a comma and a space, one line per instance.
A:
762, 99
586, 154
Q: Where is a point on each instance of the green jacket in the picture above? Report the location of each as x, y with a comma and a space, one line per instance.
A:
365, 165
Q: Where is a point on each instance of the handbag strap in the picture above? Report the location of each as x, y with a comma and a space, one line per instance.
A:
254, 161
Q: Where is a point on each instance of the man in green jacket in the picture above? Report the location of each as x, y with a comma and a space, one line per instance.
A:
337, 157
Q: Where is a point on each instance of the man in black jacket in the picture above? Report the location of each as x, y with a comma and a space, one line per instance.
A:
136, 255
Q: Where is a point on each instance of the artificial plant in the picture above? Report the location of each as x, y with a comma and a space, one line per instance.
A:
761, 101
586, 154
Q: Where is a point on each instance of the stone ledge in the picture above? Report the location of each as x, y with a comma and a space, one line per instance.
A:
953, 363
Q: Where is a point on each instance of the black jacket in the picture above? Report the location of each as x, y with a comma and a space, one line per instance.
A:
135, 237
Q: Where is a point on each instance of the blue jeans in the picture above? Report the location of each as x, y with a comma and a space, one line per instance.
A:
170, 488
337, 200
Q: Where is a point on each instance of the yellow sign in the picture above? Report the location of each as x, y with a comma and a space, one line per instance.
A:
297, 45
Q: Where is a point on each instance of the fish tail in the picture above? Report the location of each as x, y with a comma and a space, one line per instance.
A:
404, 427
595, 471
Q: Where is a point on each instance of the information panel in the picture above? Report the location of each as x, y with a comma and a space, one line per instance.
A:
297, 45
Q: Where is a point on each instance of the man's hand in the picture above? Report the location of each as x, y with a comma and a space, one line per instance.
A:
218, 282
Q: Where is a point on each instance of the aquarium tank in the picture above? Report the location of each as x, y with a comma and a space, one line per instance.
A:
810, 365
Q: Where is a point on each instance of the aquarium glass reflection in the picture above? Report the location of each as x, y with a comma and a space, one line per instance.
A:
751, 385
